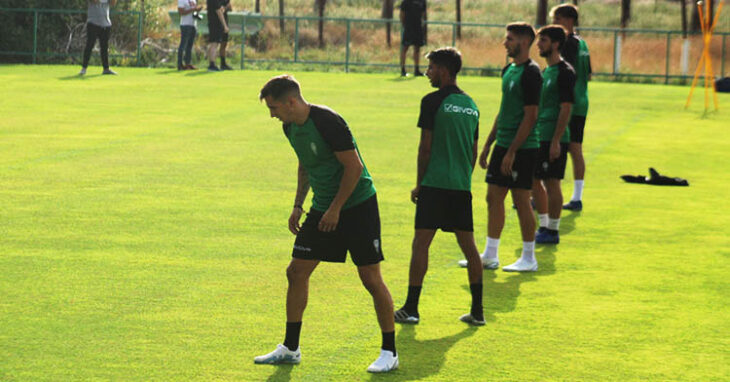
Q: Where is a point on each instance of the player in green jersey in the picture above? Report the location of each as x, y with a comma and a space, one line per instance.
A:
344, 215
449, 122
556, 103
575, 52
512, 164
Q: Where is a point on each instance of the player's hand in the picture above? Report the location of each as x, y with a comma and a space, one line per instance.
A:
554, 150
483, 158
296, 214
414, 194
226, 30
507, 161
329, 220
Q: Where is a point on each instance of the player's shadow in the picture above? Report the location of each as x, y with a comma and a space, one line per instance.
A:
402, 78
501, 297
78, 77
282, 373
420, 360
167, 71
567, 222
199, 72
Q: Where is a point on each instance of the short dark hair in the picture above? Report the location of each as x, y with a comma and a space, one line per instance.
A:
522, 28
279, 87
565, 10
449, 58
556, 33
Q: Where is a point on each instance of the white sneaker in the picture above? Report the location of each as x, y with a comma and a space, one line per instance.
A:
522, 265
487, 263
385, 363
82, 72
282, 354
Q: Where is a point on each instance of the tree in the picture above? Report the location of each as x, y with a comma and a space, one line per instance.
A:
320, 5
281, 14
625, 13
387, 13
541, 12
458, 19
684, 18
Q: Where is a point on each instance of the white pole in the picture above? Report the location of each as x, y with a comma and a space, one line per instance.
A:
685, 57
617, 58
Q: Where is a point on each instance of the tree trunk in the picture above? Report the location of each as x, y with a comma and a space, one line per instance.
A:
684, 17
257, 6
281, 13
458, 19
625, 13
320, 11
387, 13
542, 7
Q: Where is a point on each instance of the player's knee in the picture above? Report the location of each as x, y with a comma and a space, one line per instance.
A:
294, 273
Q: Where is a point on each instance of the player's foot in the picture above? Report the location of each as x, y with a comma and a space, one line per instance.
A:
573, 205
213, 68
418, 73
109, 72
226, 67
541, 230
385, 363
82, 72
190, 67
404, 317
402, 72
282, 354
471, 320
522, 265
547, 236
486, 263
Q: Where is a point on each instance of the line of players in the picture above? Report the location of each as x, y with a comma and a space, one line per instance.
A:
531, 138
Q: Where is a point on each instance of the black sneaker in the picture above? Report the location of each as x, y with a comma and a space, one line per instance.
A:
213, 68
109, 72
418, 73
226, 67
402, 72
402, 316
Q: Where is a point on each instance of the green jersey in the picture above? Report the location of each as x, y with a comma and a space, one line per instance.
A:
453, 118
575, 51
315, 143
558, 82
520, 87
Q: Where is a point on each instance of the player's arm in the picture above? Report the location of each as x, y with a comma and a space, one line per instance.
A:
490, 139
426, 121
352, 170
566, 97
475, 148
302, 190
220, 11
424, 154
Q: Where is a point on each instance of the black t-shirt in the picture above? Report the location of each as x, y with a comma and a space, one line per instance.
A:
413, 10
213, 6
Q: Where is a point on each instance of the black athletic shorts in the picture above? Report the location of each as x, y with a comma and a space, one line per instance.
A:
412, 36
546, 169
523, 169
576, 126
215, 33
449, 210
358, 231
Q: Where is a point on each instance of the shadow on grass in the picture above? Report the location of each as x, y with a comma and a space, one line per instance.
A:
167, 71
421, 359
200, 72
401, 78
78, 77
567, 222
282, 373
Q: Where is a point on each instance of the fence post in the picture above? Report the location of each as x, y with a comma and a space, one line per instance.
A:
35, 34
616, 52
453, 34
296, 39
243, 40
666, 67
139, 38
347, 48
722, 71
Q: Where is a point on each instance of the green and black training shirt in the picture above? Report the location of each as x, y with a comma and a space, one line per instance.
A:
558, 82
575, 51
315, 143
453, 118
520, 87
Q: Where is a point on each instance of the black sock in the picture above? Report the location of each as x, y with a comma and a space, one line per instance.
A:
389, 341
476, 301
212, 64
223, 61
291, 341
414, 293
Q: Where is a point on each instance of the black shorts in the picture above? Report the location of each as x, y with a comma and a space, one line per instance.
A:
449, 210
577, 125
523, 168
546, 169
358, 231
216, 34
412, 36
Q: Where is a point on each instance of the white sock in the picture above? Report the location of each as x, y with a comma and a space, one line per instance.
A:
577, 190
543, 218
528, 250
490, 252
554, 224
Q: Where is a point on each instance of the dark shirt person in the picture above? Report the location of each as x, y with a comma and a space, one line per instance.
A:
98, 27
217, 30
412, 18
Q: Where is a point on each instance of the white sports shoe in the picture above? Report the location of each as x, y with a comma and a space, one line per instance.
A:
385, 363
82, 72
522, 265
282, 354
487, 263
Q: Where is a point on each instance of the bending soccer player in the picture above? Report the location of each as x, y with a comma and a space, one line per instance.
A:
556, 102
449, 123
512, 164
575, 52
344, 215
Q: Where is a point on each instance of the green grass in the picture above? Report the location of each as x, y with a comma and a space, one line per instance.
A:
143, 237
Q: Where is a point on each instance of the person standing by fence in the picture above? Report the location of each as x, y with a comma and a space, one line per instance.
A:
412, 16
217, 30
98, 26
188, 32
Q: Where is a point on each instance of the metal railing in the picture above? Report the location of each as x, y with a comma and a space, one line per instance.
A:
35, 53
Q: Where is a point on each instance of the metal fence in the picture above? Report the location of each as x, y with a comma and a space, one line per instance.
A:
353, 43
38, 15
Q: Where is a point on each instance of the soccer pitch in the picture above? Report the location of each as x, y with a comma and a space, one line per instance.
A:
144, 237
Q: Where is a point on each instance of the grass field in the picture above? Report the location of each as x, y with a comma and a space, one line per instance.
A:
143, 237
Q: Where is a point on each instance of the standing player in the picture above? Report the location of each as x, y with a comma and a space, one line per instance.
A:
344, 215
575, 51
512, 164
224, 40
449, 123
556, 102
217, 30
412, 16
